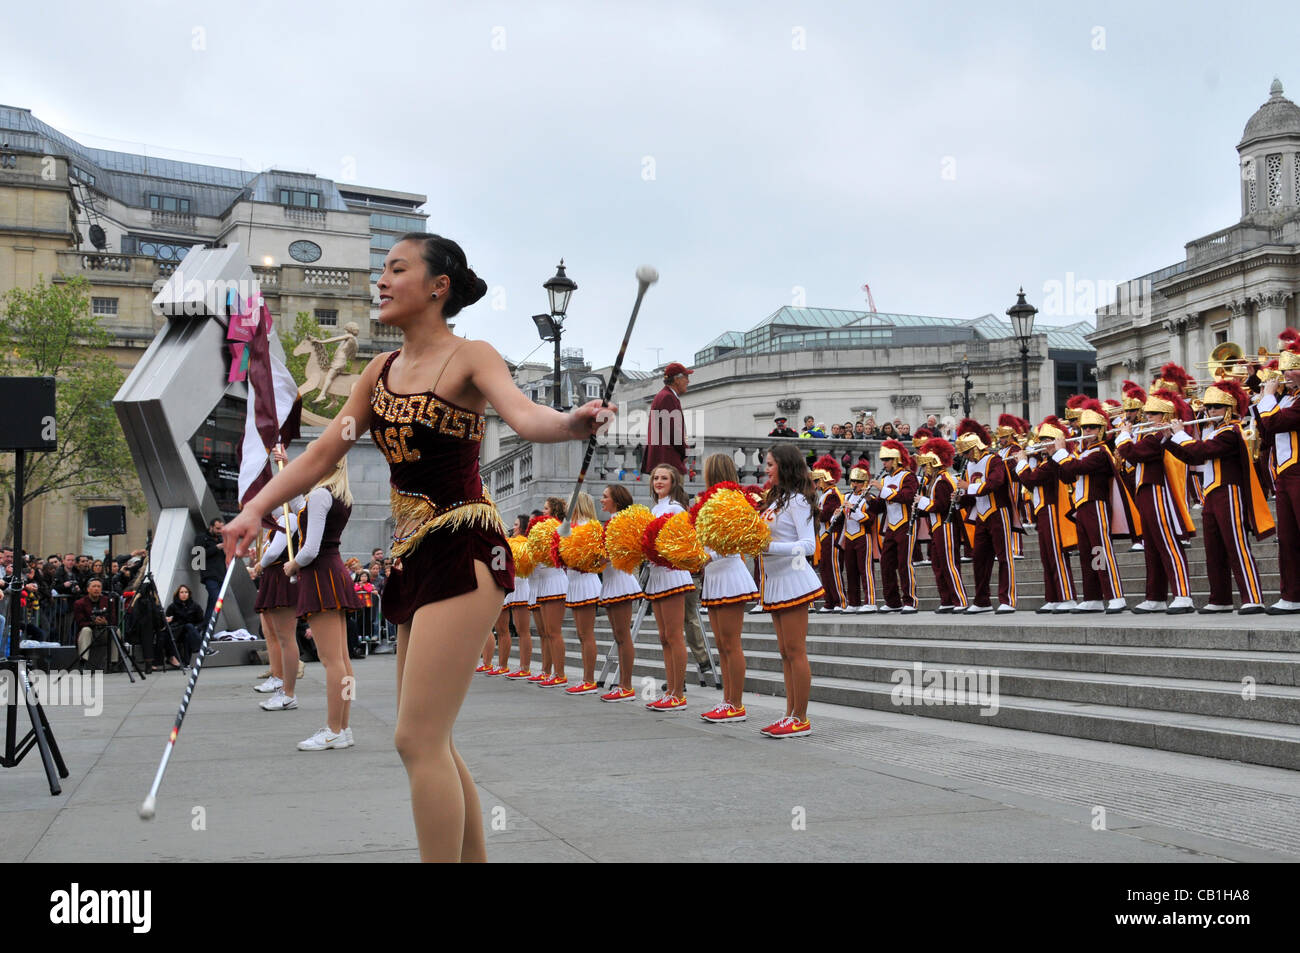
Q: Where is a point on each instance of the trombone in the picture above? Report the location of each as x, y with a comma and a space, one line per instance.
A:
1142, 429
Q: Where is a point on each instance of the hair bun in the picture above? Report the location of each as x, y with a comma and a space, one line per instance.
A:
475, 287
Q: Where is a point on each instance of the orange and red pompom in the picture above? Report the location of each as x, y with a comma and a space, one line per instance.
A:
541, 532
584, 548
523, 556
677, 543
623, 535
727, 521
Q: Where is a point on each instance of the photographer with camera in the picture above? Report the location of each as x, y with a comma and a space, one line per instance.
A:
93, 614
214, 564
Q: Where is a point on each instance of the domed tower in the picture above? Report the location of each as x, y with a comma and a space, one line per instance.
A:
1270, 160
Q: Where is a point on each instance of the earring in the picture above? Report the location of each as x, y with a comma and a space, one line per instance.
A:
435, 294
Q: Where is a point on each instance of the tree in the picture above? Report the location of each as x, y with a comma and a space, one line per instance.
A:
304, 327
48, 331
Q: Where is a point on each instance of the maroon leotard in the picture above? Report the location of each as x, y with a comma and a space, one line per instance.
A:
445, 519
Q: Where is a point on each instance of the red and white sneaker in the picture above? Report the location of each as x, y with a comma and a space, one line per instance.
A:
724, 713
497, 671
519, 673
668, 703
583, 688
618, 695
553, 681
539, 677
790, 728
775, 724
484, 670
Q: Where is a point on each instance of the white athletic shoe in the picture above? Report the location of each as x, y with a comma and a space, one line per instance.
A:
867, 607
1136, 548
1065, 606
324, 739
1283, 607
1149, 606
908, 609
1116, 605
837, 608
280, 702
1090, 605
756, 610
270, 685
1046, 608
1181, 606
1006, 608
347, 736
976, 610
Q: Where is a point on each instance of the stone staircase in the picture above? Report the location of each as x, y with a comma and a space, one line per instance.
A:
1225, 686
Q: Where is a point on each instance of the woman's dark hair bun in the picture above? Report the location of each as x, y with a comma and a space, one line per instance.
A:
442, 256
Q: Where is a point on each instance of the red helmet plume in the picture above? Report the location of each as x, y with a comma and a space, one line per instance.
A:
942, 449
830, 465
904, 458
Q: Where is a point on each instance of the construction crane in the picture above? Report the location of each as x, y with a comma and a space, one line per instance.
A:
870, 300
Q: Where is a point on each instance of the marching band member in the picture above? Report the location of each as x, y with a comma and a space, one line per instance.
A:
855, 544
893, 506
935, 502
1234, 501
1050, 499
985, 479
1279, 417
1162, 505
1010, 428
1131, 404
1097, 490
789, 583
826, 474
921, 529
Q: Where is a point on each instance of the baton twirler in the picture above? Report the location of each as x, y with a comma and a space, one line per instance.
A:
645, 276
151, 801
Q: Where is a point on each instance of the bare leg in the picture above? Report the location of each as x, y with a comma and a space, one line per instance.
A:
437, 652
584, 620
273, 647
620, 620
726, 622
522, 622
330, 633
670, 614
503, 639
553, 617
793, 635
778, 623
489, 646
283, 625
541, 638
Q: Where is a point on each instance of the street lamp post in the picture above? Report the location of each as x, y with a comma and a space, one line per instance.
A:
550, 327
1022, 324
966, 386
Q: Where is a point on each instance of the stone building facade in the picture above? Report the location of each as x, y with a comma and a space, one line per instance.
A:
1238, 284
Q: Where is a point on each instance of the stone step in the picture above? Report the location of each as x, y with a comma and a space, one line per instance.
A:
1237, 739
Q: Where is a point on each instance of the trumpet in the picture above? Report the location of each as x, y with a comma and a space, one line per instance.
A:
1143, 429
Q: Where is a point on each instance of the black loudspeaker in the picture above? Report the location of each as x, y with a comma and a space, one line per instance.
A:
27, 414
106, 520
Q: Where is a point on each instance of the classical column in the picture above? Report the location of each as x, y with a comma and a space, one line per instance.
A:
1174, 327
1240, 327
1270, 317
1193, 347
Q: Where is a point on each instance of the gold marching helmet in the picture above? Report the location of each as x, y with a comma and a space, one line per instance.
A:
1093, 414
859, 475
1051, 429
1227, 393
971, 435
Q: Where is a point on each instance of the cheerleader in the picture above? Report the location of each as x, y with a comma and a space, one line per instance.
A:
550, 589
518, 604
325, 591
666, 590
277, 603
619, 594
583, 597
789, 584
728, 585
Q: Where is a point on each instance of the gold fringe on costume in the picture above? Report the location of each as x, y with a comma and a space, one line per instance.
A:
728, 524
623, 537
539, 541
677, 543
584, 548
416, 517
524, 564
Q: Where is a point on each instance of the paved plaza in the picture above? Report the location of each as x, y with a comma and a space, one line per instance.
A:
572, 779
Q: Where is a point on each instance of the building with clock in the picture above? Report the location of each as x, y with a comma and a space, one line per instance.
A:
124, 221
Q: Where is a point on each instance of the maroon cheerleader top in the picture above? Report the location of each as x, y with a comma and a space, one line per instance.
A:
324, 584
445, 519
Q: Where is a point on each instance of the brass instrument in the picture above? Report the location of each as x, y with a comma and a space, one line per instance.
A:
1143, 429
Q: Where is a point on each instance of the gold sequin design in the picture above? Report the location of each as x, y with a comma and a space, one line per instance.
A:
416, 516
428, 410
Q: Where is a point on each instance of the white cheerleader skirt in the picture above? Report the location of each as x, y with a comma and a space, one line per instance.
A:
788, 581
520, 596
726, 580
584, 589
548, 585
618, 586
667, 582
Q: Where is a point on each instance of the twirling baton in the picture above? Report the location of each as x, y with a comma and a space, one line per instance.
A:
151, 802
645, 276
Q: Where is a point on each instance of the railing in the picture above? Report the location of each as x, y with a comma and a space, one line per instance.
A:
106, 262
304, 216
165, 268
326, 277
179, 221
383, 332
267, 277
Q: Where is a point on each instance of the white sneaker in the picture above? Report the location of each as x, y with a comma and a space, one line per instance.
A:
1067, 606
1283, 607
1047, 608
270, 685
324, 739
976, 610
907, 609
1090, 605
1137, 548
1150, 606
347, 737
756, 610
887, 608
837, 608
1006, 608
1181, 606
867, 607
1116, 605
280, 702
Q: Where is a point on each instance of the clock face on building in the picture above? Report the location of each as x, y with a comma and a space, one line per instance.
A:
305, 251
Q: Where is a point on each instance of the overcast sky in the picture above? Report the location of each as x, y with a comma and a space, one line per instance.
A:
944, 153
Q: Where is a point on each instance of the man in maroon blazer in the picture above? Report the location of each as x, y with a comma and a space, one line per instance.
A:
666, 431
